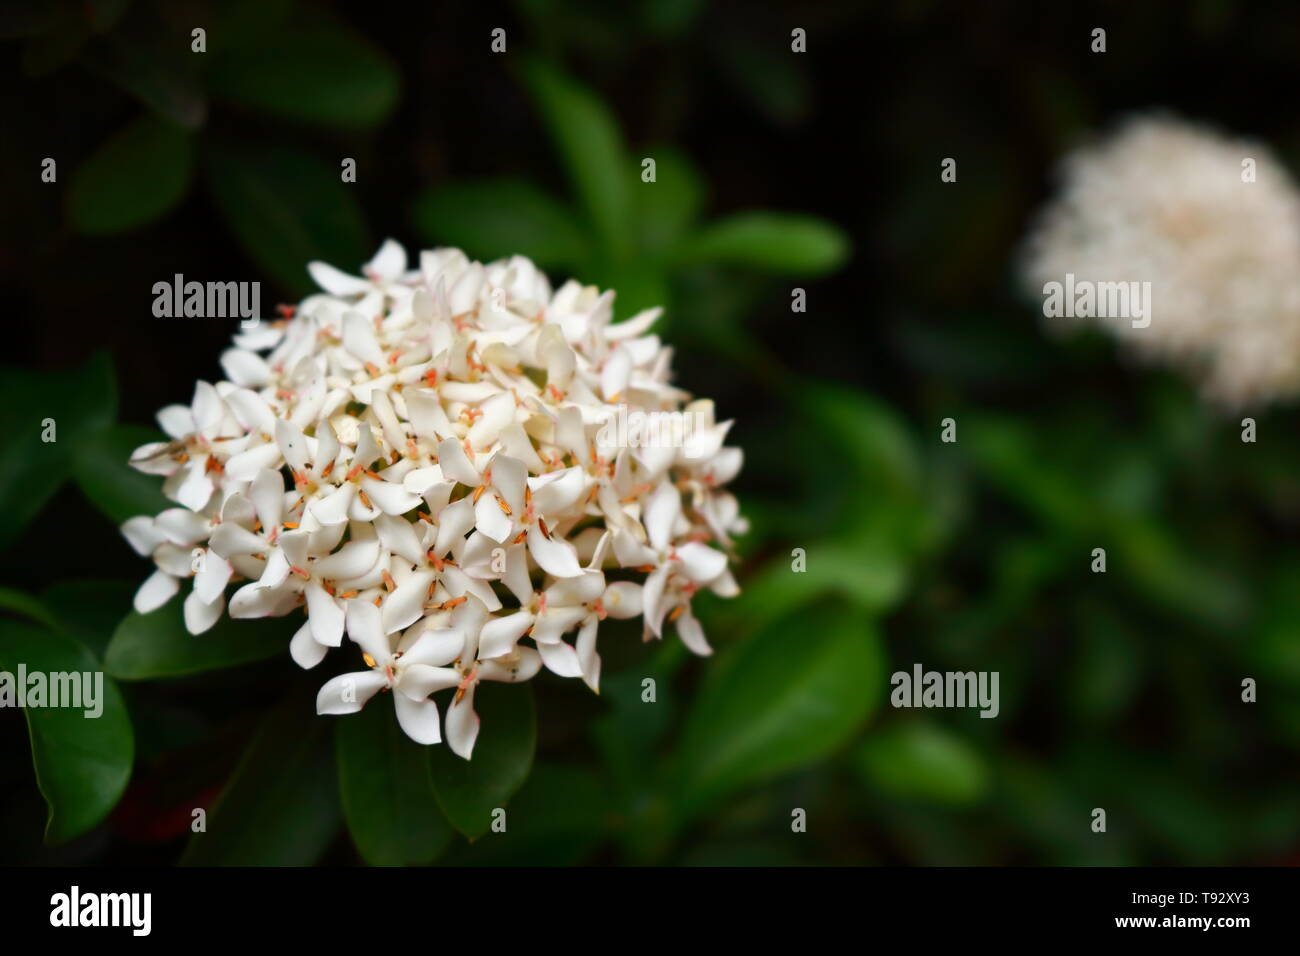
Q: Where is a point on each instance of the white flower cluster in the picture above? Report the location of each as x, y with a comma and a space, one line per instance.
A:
1218, 238
419, 460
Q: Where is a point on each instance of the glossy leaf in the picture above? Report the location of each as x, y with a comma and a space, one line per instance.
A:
137, 176
591, 150
865, 574
779, 701
638, 285
469, 791
667, 208
287, 208
156, 645
307, 67
387, 796
921, 760
80, 402
493, 219
280, 806
154, 64
90, 610
82, 762
113, 486
557, 818
869, 472
781, 243
20, 602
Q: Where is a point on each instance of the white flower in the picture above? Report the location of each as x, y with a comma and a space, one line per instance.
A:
413, 673
1165, 201
415, 457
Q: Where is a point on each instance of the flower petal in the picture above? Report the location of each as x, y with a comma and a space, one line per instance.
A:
692, 635
199, 615
420, 680
389, 262
419, 718
560, 658
588, 659
491, 520
661, 513
462, 725
348, 693
499, 634
520, 666
389, 496
406, 604
456, 465
553, 555
246, 465
156, 591
336, 281
213, 575
332, 507
437, 646
701, 563
366, 628
142, 535
305, 650
325, 614
622, 599
350, 561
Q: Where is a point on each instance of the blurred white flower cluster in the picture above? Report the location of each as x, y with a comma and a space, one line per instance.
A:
419, 460
1213, 224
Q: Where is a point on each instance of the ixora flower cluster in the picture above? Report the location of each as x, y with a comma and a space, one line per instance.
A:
420, 461
1212, 224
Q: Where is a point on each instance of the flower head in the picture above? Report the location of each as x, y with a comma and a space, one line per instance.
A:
420, 459
1213, 224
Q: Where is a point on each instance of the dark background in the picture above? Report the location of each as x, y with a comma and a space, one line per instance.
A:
1119, 692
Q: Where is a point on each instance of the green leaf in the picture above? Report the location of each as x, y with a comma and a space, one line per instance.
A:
869, 473
776, 86
156, 645
90, 610
50, 52
637, 286
1107, 665
470, 790
388, 801
493, 219
133, 179
152, 62
80, 402
920, 760
309, 68
287, 208
782, 243
668, 207
1008, 455
114, 487
1162, 570
865, 574
280, 807
82, 763
557, 818
591, 150
29, 607
779, 701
